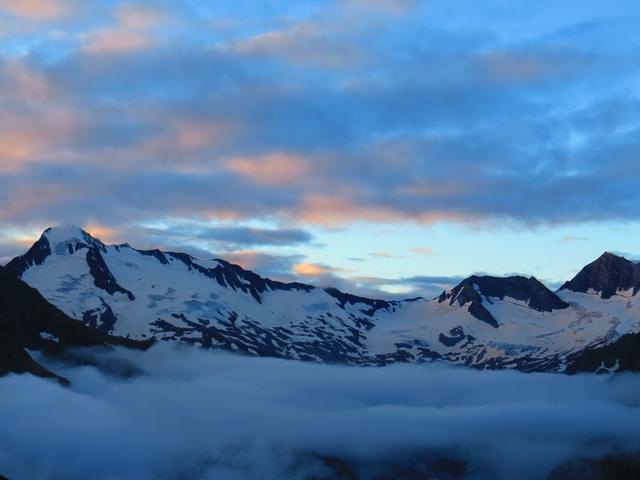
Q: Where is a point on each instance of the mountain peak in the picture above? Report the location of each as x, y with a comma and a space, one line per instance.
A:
59, 240
607, 275
64, 233
611, 257
475, 289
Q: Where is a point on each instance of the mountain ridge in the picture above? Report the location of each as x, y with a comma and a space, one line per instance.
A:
607, 275
484, 321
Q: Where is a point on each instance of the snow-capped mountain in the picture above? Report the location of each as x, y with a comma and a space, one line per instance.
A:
513, 322
29, 323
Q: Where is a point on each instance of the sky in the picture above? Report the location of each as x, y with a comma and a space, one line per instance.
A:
387, 147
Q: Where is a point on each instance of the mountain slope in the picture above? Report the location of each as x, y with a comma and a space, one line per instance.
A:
485, 322
528, 290
621, 355
29, 322
607, 276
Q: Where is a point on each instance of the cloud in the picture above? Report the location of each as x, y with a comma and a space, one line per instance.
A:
207, 415
302, 43
13, 244
572, 238
422, 251
39, 10
277, 169
313, 270
133, 30
467, 126
426, 286
384, 255
229, 236
270, 265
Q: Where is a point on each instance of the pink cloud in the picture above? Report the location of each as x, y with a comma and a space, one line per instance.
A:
314, 269
133, 31
276, 169
306, 43
38, 10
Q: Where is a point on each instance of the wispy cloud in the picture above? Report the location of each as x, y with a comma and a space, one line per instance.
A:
423, 251
133, 30
313, 270
572, 238
38, 10
277, 169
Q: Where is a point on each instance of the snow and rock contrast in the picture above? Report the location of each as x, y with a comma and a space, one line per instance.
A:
29, 323
484, 322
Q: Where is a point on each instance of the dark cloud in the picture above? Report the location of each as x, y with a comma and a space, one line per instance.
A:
204, 415
236, 236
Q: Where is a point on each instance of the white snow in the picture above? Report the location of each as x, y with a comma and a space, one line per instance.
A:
49, 336
173, 290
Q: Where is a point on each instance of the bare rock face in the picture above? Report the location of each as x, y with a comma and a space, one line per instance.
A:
476, 290
29, 322
607, 275
623, 355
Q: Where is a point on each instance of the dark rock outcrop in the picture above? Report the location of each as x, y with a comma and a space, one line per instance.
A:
29, 322
610, 467
476, 290
619, 356
607, 275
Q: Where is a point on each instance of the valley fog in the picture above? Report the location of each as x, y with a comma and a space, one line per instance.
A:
207, 415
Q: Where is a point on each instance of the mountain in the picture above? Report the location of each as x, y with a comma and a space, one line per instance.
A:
620, 355
475, 290
608, 275
29, 322
484, 322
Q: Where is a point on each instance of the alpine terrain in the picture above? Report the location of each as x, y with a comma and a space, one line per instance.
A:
484, 322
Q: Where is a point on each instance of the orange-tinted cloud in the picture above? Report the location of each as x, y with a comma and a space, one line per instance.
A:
276, 169
305, 43
133, 31
422, 251
36, 118
26, 200
384, 255
247, 259
38, 10
195, 134
117, 41
104, 233
337, 210
313, 269
28, 138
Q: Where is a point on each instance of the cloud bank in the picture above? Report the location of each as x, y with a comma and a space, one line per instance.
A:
204, 415
386, 111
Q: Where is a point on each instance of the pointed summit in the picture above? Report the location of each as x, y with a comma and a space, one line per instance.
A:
607, 275
476, 289
67, 239
65, 233
70, 234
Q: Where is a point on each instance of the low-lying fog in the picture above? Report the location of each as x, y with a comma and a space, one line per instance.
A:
205, 415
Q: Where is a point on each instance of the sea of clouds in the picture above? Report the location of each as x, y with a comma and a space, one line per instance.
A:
204, 415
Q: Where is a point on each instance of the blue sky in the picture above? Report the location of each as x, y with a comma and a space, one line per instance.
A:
383, 146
